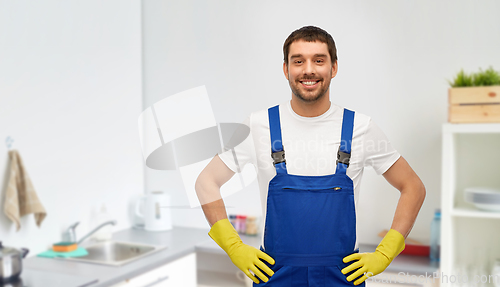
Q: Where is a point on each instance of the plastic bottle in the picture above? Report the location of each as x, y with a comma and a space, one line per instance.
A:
238, 223
104, 233
436, 236
243, 224
251, 225
232, 219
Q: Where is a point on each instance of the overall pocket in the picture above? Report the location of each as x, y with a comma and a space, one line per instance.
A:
281, 277
337, 272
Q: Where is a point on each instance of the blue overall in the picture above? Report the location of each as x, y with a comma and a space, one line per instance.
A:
310, 221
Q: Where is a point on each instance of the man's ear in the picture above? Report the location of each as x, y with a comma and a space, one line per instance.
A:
335, 68
285, 70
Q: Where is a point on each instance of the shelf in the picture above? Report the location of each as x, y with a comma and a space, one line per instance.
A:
472, 128
469, 236
472, 212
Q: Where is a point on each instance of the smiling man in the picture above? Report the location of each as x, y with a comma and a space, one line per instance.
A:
310, 155
310, 70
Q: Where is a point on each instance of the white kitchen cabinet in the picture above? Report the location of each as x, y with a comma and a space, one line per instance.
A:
215, 269
469, 236
181, 272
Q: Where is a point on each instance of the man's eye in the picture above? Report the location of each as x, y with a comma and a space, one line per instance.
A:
319, 61
298, 62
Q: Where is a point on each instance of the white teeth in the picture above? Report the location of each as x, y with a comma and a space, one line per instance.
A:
309, 83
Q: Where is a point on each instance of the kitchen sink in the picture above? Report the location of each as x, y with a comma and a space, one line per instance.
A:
115, 252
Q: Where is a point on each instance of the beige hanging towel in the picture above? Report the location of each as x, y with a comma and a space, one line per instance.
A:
21, 198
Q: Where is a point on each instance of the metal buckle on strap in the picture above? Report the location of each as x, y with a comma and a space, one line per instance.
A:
278, 157
343, 157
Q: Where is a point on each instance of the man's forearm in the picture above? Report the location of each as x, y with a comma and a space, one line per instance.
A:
410, 201
214, 211
211, 201
207, 187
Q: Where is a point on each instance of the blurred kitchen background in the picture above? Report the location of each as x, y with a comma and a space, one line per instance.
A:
75, 76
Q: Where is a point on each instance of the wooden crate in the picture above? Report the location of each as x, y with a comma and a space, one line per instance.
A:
474, 104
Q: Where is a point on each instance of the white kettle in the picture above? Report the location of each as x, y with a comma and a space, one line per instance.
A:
156, 215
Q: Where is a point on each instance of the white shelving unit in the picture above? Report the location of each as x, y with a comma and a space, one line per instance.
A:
470, 238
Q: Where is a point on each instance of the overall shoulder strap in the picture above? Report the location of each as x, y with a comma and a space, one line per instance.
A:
344, 153
277, 150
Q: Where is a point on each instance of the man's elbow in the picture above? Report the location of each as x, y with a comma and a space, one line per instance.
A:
199, 183
416, 188
419, 191
423, 191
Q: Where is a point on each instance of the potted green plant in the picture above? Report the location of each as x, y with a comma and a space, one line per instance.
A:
474, 97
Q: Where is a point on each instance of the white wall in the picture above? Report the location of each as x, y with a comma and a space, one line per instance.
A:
70, 96
394, 61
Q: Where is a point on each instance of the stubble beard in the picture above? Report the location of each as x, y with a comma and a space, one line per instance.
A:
303, 96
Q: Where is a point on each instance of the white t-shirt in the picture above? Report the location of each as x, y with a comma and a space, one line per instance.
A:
311, 145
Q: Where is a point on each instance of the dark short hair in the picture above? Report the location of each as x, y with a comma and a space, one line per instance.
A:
310, 34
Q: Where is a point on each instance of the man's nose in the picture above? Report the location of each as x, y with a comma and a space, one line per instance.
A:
309, 68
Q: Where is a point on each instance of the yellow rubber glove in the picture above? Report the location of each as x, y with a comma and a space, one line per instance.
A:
244, 256
374, 263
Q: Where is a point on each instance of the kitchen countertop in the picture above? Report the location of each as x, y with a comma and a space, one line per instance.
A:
180, 241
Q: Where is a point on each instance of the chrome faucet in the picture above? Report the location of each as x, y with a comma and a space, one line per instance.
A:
70, 234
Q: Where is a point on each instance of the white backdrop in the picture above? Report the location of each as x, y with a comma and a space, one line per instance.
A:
394, 61
70, 96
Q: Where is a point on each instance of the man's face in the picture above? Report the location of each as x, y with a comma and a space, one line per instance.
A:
309, 70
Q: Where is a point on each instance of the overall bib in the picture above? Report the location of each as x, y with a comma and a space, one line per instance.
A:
310, 221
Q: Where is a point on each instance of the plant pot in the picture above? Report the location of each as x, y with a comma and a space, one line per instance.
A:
474, 104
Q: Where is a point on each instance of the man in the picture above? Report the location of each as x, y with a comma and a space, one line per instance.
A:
310, 156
